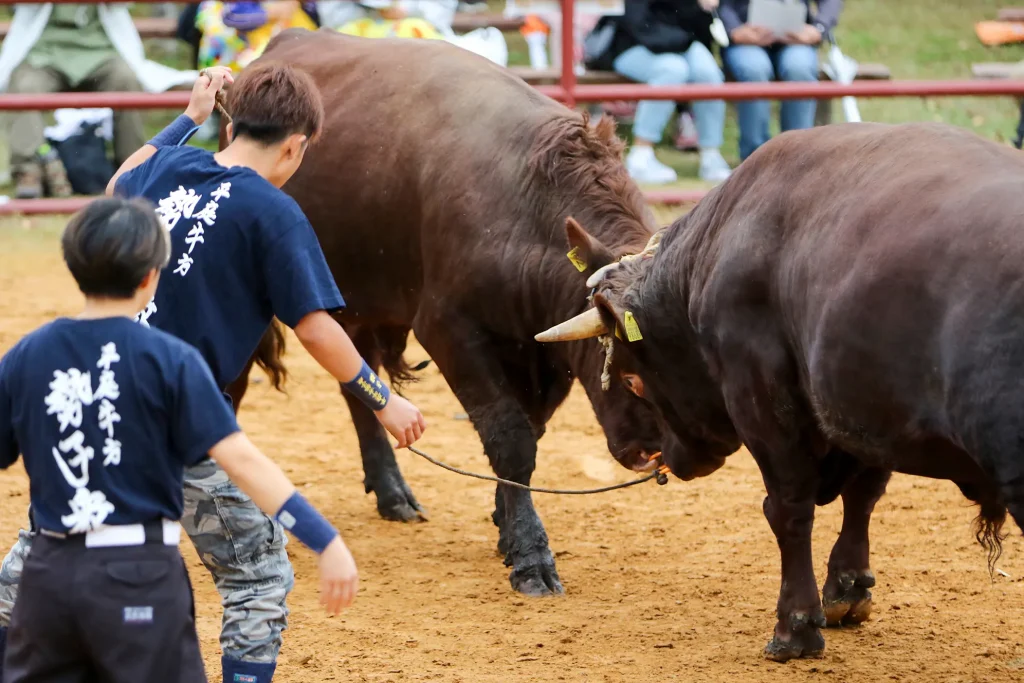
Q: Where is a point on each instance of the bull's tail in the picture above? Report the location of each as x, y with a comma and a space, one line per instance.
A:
390, 343
269, 355
988, 529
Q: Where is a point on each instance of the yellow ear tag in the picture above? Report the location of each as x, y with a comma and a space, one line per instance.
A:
576, 260
618, 333
632, 329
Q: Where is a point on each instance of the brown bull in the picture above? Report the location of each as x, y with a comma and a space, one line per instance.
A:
849, 303
439, 191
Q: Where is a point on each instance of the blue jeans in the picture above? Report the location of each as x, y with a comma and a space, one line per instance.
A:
696, 65
750, 63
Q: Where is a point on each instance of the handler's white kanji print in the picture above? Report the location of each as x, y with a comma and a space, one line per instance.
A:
70, 392
181, 203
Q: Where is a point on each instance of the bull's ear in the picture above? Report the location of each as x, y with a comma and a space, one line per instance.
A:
586, 252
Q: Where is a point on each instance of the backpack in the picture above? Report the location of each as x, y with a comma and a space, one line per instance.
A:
84, 156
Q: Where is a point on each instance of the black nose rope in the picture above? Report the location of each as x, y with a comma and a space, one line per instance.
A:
659, 474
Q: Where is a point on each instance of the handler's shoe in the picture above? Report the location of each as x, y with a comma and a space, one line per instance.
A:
645, 168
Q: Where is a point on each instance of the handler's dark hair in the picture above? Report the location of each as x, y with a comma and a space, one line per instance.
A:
112, 243
270, 101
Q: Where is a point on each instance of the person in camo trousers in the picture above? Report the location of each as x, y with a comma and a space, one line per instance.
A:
242, 254
106, 415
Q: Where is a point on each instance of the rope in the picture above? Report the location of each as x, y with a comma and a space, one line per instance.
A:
659, 474
219, 101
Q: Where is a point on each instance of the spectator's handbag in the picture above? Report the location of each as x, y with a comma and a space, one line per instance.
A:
598, 44
84, 156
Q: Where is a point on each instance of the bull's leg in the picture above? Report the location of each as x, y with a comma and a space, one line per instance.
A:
847, 596
789, 510
468, 364
236, 390
381, 475
771, 418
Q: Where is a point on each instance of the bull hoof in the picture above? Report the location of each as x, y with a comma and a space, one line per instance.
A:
536, 578
806, 643
397, 504
847, 598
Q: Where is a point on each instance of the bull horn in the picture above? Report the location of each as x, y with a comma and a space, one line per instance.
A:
600, 273
586, 325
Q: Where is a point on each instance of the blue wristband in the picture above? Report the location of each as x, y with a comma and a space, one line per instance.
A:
368, 388
306, 524
176, 134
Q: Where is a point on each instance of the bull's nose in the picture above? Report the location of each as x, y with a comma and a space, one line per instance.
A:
642, 461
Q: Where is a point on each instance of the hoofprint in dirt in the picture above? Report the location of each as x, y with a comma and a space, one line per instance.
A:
664, 583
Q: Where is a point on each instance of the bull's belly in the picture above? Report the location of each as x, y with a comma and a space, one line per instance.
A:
922, 455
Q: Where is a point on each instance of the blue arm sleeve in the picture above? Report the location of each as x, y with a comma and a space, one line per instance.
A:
296, 274
8, 444
202, 417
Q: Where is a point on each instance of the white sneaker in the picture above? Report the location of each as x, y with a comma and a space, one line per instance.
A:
644, 167
713, 166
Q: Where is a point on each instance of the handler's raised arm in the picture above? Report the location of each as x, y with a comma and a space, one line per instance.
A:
200, 106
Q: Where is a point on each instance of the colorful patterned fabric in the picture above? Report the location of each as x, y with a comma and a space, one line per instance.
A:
221, 45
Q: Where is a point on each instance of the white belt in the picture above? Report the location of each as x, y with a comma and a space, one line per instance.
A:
130, 534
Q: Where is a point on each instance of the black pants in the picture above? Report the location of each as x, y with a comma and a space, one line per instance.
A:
103, 615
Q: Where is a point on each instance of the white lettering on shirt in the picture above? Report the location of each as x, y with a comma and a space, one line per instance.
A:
70, 390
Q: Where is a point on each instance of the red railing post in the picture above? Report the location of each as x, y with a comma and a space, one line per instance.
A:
568, 81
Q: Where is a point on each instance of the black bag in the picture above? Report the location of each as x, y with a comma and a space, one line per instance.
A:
84, 156
599, 43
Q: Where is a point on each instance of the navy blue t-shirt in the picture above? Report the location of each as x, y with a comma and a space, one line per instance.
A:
107, 415
242, 252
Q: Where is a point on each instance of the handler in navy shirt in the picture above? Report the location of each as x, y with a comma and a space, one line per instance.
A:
107, 415
241, 253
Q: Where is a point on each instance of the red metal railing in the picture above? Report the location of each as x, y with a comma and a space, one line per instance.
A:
568, 91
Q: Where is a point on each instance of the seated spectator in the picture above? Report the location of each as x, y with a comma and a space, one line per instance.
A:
755, 54
667, 42
233, 34
61, 47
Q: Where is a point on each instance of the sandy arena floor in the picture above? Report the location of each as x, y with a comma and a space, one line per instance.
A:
663, 583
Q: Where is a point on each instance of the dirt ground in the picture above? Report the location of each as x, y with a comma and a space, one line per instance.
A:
662, 583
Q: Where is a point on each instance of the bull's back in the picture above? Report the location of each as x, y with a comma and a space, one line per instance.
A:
893, 258
411, 128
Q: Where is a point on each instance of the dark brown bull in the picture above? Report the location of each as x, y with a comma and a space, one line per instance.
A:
439, 192
849, 303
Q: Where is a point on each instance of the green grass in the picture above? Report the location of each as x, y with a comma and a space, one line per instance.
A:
916, 39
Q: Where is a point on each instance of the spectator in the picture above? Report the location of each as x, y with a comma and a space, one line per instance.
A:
60, 47
233, 34
756, 55
667, 42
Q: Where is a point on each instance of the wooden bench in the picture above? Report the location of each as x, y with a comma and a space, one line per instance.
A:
993, 70
167, 27
823, 116
1011, 14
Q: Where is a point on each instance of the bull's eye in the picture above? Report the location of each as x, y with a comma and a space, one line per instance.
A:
633, 383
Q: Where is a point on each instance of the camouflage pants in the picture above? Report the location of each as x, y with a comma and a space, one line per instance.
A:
242, 548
